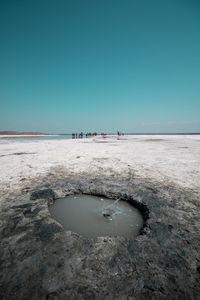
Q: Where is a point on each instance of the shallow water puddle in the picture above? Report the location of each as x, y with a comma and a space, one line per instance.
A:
93, 216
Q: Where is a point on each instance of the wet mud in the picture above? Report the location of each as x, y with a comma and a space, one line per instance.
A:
40, 260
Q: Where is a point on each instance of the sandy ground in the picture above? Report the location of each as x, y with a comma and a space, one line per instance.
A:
174, 159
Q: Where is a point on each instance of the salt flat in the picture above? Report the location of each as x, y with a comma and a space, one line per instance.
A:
163, 158
41, 260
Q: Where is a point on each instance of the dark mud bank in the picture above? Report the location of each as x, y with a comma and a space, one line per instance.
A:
39, 260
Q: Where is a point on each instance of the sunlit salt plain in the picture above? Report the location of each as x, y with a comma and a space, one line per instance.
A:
164, 158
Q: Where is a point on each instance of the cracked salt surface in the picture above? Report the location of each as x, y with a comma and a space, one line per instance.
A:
40, 260
166, 158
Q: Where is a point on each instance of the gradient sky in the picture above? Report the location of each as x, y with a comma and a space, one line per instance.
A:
101, 65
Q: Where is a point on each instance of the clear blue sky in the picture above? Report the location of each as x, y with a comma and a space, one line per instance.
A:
102, 65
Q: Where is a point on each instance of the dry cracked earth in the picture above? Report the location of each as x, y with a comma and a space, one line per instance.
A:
39, 260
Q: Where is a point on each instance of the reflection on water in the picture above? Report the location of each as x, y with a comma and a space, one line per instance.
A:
93, 216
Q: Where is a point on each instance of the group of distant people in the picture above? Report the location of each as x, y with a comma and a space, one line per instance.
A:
81, 135
120, 133
77, 135
90, 134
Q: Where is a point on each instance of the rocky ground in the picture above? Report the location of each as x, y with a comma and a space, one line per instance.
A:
39, 260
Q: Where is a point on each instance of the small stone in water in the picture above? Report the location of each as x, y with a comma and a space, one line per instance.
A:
106, 214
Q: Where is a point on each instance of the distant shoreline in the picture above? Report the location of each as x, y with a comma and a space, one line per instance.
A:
21, 134
26, 135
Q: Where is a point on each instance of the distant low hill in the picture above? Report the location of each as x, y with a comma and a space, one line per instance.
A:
22, 133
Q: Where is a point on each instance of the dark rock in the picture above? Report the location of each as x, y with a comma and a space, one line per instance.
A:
43, 194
